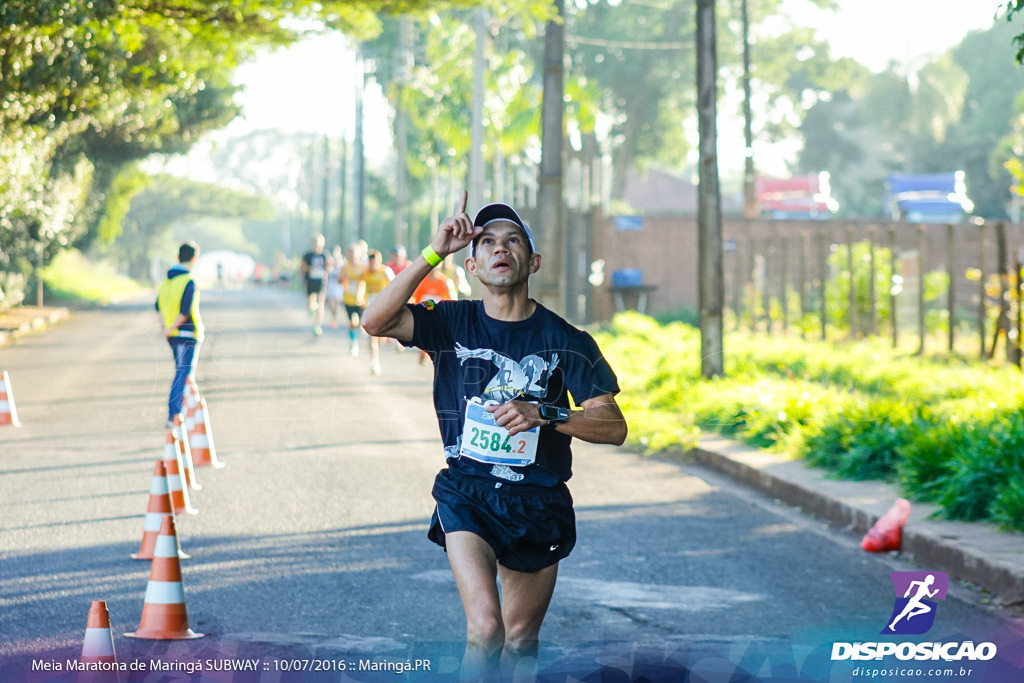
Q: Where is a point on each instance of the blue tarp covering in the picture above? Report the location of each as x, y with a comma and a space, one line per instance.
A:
920, 196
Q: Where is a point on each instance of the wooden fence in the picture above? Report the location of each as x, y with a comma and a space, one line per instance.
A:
780, 275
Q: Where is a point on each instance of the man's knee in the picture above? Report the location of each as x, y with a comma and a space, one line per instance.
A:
485, 630
521, 639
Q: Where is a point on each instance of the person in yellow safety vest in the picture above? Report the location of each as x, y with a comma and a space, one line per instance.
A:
178, 305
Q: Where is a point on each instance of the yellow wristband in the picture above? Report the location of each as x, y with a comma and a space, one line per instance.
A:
432, 258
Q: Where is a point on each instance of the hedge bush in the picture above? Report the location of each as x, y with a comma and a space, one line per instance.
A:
947, 431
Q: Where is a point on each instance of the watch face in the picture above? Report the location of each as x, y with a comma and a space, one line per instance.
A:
550, 412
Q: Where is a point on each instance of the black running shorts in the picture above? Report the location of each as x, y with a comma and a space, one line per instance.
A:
529, 527
313, 286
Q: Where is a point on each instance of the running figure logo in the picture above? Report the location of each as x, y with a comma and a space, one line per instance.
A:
514, 379
914, 610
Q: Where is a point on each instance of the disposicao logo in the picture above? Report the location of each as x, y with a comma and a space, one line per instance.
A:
914, 610
913, 613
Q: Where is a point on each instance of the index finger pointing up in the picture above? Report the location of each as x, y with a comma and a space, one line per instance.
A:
462, 202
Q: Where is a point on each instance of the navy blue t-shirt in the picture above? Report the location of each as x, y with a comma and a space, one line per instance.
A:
542, 359
316, 263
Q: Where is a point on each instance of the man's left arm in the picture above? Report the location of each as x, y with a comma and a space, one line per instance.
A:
599, 421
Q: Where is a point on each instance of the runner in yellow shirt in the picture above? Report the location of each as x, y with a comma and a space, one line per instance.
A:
373, 280
353, 294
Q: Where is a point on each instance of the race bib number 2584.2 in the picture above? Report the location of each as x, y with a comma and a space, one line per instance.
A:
484, 440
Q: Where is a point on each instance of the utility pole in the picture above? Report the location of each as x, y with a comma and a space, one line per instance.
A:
402, 54
360, 161
550, 231
749, 190
311, 188
343, 199
325, 174
476, 128
711, 286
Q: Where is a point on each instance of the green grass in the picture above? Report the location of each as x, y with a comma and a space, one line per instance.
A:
945, 430
71, 277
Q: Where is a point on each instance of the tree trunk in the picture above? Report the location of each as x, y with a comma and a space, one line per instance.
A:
549, 202
711, 286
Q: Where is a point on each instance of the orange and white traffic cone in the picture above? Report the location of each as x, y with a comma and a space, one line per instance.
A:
887, 533
159, 507
200, 440
164, 615
8, 413
173, 468
190, 402
185, 453
98, 646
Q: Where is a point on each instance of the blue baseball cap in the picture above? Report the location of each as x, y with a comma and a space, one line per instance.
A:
501, 212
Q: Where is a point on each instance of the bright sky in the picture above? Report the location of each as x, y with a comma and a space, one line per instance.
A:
874, 32
310, 86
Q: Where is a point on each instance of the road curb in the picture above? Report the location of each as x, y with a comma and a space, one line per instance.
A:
971, 551
25, 319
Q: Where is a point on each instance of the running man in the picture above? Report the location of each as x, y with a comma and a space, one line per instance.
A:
315, 264
505, 368
178, 305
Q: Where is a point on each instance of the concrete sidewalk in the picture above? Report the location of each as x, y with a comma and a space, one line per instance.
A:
23, 319
972, 551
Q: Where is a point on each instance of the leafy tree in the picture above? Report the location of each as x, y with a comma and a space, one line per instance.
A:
88, 87
952, 114
168, 201
641, 57
1010, 9
436, 93
973, 142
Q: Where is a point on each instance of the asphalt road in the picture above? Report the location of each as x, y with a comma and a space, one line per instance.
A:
310, 543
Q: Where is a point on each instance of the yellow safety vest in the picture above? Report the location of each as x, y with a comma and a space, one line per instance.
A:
169, 302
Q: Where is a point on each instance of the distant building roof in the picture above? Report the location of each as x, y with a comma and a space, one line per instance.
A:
659, 192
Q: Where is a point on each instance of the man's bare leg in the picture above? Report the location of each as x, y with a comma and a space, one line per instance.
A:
525, 597
475, 570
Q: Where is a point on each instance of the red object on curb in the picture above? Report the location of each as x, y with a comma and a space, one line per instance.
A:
887, 533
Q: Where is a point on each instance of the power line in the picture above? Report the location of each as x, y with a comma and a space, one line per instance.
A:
629, 45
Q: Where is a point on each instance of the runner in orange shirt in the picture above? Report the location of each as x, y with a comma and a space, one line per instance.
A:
436, 286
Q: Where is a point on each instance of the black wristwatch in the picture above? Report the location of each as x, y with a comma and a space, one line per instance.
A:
553, 414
